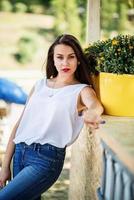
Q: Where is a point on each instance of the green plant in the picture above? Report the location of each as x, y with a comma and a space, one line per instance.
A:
5, 6
38, 9
113, 55
67, 17
27, 47
20, 7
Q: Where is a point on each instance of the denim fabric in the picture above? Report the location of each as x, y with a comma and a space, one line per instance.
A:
35, 168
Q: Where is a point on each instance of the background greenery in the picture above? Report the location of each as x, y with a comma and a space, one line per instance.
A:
28, 27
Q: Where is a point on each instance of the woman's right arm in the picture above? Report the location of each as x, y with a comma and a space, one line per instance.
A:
5, 173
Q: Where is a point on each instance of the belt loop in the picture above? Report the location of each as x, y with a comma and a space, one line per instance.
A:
48, 146
38, 147
24, 145
34, 146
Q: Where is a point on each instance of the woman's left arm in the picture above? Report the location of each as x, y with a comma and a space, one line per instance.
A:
93, 108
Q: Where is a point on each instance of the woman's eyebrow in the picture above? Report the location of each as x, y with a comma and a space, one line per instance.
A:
68, 54
72, 54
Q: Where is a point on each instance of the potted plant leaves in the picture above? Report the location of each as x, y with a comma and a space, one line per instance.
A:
112, 65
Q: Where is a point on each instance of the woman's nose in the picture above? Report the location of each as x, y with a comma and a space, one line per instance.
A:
65, 62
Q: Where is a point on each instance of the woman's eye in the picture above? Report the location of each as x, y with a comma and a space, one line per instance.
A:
60, 57
72, 56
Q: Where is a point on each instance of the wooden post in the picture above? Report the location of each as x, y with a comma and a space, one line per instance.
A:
86, 152
93, 21
85, 167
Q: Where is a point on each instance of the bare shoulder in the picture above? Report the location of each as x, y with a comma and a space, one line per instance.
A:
90, 100
87, 91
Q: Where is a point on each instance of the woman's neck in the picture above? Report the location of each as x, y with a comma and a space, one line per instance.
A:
65, 80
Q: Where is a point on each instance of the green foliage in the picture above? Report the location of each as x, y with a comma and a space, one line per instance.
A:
5, 6
34, 6
113, 55
108, 8
20, 7
113, 16
27, 47
38, 9
67, 17
82, 10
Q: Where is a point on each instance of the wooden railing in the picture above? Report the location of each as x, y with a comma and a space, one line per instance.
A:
117, 138
113, 144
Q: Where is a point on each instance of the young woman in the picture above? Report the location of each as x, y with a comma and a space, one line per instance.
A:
54, 114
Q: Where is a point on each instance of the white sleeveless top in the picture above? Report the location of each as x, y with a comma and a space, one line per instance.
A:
51, 116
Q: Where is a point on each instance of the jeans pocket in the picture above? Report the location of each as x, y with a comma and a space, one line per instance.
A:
61, 155
46, 154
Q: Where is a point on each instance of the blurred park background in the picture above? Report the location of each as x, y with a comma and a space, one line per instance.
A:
27, 28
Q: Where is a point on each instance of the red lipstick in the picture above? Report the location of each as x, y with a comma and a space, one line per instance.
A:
66, 69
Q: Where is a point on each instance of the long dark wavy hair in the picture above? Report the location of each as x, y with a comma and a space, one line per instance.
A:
82, 72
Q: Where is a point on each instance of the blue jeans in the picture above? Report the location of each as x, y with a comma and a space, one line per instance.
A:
35, 168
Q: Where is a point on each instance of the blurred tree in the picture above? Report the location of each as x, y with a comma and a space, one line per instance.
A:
82, 10
20, 7
5, 6
30, 2
27, 48
108, 14
67, 17
121, 9
113, 15
45, 3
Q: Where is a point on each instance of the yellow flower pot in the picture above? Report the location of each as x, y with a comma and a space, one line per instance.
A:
116, 93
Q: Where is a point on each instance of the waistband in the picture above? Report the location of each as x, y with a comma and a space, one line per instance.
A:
41, 146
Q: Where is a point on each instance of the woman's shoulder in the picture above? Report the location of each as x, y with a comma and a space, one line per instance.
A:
39, 83
87, 90
87, 94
